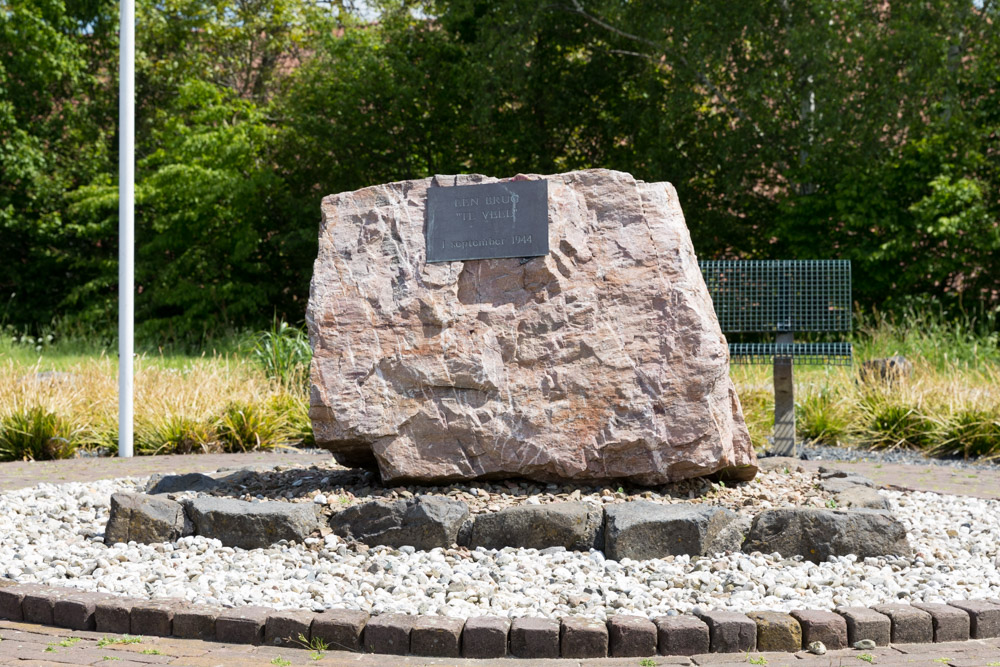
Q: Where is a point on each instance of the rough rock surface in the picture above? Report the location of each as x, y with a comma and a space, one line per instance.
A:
136, 517
817, 534
575, 526
192, 481
237, 523
423, 522
641, 530
601, 360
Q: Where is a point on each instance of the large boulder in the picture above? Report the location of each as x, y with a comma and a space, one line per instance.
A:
422, 522
237, 523
136, 517
575, 526
816, 534
600, 360
641, 530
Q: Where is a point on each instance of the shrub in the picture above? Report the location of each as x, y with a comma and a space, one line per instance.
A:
822, 417
244, 427
283, 353
36, 434
173, 434
969, 433
889, 423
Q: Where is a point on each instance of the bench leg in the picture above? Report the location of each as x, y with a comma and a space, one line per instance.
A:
784, 404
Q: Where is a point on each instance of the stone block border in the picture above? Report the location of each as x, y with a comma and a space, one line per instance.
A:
497, 637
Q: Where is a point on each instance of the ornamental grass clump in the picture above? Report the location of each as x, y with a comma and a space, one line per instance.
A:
36, 434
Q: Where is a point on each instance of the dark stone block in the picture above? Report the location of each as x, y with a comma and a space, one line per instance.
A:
153, 617
195, 621
950, 624
573, 525
341, 629
485, 637
682, 635
909, 624
437, 636
114, 615
242, 625
284, 627
865, 623
11, 598
76, 611
631, 636
423, 522
192, 481
536, 638
389, 633
37, 605
984, 617
643, 529
583, 638
822, 626
730, 632
776, 631
237, 523
816, 534
136, 517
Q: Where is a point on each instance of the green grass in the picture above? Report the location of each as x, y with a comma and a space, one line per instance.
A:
124, 639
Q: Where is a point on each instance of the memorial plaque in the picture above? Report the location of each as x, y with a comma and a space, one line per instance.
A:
489, 221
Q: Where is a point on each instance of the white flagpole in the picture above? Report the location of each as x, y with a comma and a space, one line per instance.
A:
126, 222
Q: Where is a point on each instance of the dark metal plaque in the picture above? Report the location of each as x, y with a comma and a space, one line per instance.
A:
488, 221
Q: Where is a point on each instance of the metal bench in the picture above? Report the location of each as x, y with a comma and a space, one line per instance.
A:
782, 297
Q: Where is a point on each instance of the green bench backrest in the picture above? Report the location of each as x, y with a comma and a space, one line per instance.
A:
780, 295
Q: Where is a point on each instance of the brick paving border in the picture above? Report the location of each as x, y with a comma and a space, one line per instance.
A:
431, 636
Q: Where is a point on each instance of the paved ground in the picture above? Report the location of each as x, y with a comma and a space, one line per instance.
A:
20, 474
24, 644
16, 475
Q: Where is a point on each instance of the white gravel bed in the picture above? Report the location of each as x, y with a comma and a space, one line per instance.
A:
53, 534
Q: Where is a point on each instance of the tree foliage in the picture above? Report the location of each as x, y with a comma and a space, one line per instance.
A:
820, 129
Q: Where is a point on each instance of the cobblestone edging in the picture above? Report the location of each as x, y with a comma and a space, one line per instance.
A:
498, 637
